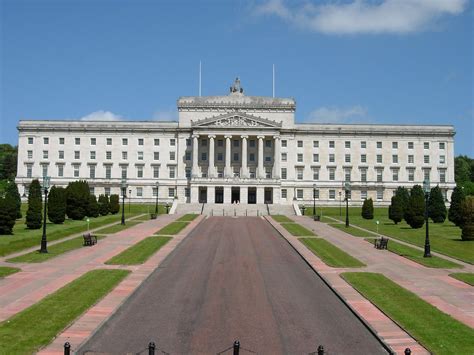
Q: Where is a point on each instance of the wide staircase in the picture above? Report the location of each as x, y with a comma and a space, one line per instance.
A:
228, 209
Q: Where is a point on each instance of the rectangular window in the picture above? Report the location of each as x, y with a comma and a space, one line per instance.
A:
395, 159
76, 170
379, 158
108, 155
140, 155
30, 140
300, 144
109, 141
379, 145
156, 141
77, 141
315, 174
411, 145
394, 145
188, 142
187, 156
220, 156
347, 158
29, 171
347, 144
363, 158
395, 174
107, 191
283, 156
77, 154
284, 143
172, 155
363, 194
300, 157
187, 192
139, 171
30, 154
61, 154
108, 172
203, 156
332, 158
172, 142
442, 145
363, 175
379, 194
315, 144
299, 194
204, 142
124, 155
156, 156
92, 171
379, 175
442, 159
251, 157
139, 191
268, 143
332, 194
61, 140
92, 155
156, 171
332, 174
426, 159
283, 174
140, 141
426, 145
124, 141
363, 144
347, 174
426, 174
411, 159
411, 174
124, 172
316, 194
172, 172
220, 143
45, 154
332, 144
60, 170
188, 173
315, 158
299, 173
93, 141
267, 158
45, 140
171, 192
284, 193
442, 175
268, 173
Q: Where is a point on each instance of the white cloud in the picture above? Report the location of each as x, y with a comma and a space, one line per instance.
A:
364, 16
338, 115
101, 116
165, 115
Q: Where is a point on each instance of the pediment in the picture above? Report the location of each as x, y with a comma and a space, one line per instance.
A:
238, 120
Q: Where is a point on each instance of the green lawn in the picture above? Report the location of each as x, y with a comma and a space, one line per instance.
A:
53, 251
36, 326
172, 228
188, 217
330, 254
117, 227
140, 252
297, 230
282, 219
464, 277
5, 271
435, 330
445, 238
356, 232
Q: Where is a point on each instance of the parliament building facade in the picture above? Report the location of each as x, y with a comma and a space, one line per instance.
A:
237, 148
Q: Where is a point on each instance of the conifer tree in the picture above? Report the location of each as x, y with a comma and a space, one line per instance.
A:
395, 210
12, 191
93, 206
103, 205
368, 209
404, 196
57, 205
8, 214
467, 209
77, 199
436, 207
457, 198
35, 206
415, 212
114, 204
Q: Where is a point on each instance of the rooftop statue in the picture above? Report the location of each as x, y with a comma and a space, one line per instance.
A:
236, 88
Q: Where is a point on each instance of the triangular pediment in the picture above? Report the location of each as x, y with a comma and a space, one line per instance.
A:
236, 119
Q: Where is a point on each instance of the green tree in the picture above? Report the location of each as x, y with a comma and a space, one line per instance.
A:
415, 213
8, 161
455, 213
57, 205
436, 207
462, 169
404, 196
114, 204
11, 190
35, 206
467, 209
103, 205
368, 209
77, 199
93, 206
7, 214
395, 211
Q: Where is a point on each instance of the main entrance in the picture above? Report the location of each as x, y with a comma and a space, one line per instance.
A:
235, 194
268, 195
252, 195
219, 198
203, 195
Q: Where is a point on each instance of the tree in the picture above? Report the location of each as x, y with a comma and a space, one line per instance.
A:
7, 214
462, 169
12, 191
467, 209
457, 199
103, 205
436, 207
368, 209
77, 199
57, 205
114, 204
93, 206
415, 213
35, 206
8, 161
395, 211
404, 196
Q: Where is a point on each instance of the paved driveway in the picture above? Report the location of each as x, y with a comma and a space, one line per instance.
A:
234, 278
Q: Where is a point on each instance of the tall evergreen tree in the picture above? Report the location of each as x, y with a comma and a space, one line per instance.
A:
368, 209
93, 206
415, 213
35, 206
455, 213
12, 191
7, 214
404, 196
395, 211
77, 199
57, 205
436, 207
103, 205
114, 204
467, 209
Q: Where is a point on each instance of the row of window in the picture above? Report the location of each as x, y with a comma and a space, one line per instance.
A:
108, 155
363, 158
108, 141
363, 144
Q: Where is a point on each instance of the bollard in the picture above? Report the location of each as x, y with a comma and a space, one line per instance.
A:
67, 348
151, 348
320, 350
407, 351
235, 214
236, 347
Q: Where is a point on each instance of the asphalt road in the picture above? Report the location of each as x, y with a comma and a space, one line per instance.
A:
234, 278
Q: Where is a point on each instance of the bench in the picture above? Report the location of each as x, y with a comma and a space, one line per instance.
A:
381, 243
89, 239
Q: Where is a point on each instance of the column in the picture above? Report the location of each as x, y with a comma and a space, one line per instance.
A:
228, 168
245, 168
195, 168
244, 193
227, 194
260, 170
212, 168
276, 157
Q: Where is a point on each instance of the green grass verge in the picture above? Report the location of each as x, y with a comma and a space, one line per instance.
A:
464, 277
117, 227
282, 219
140, 252
5, 271
435, 330
188, 217
356, 232
297, 230
330, 254
53, 251
36, 326
172, 228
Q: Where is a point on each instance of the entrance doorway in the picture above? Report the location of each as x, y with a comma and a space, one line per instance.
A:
252, 195
268, 195
219, 194
203, 195
235, 194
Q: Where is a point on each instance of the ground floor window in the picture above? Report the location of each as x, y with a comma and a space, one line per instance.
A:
171, 192
332, 194
139, 191
379, 194
284, 193
363, 194
316, 193
187, 192
107, 191
299, 194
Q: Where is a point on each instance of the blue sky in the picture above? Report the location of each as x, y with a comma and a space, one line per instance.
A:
367, 61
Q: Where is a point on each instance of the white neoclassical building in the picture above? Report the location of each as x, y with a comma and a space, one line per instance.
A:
237, 148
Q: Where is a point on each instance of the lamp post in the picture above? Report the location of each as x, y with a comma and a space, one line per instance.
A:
129, 199
314, 202
340, 203
44, 241
123, 185
426, 189
347, 187
157, 184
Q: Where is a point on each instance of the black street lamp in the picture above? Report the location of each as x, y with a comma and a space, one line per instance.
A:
314, 202
129, 199
347, 188
123, 185
44, 241
426, 189
340, 203
157, 184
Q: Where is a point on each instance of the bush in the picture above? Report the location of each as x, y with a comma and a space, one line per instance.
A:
467, 209
114, 204
93, 206
77, 199
436, 207
457, 198
104, 205
11, 190
415, 213
368, 209
8, 214
57, 205
35, 206
395, 211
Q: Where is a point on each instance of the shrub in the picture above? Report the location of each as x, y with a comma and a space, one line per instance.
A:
368, 209
395, 211
93, 206
436, 207
35, 206
457, 198
77, 199
11, 190
104, 205
8, 214
467, 209
114, 204
57, 205
415, 213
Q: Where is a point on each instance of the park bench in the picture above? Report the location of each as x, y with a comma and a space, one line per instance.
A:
89, 239
381, 243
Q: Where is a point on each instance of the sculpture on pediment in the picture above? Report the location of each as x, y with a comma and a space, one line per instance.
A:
235, 121
236, 88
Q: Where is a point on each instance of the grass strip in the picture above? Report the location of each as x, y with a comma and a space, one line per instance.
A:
140, 252
172, 228
464, 277
188, 217
435, 330
36, 326
297, 230
330, 254
356, 232
5, 271
117, 227
282, 219
53, 251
